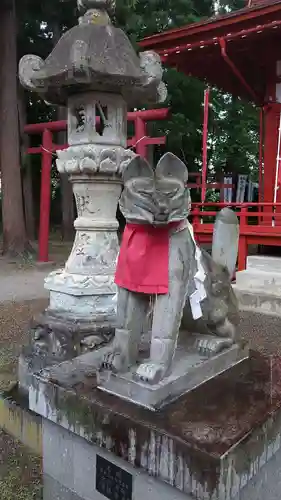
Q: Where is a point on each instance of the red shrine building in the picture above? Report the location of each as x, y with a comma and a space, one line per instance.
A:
239, 53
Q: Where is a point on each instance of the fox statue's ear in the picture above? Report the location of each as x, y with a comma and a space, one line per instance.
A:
226, 239
137, 168
171, 166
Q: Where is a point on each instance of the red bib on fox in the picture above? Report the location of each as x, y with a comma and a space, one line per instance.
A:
143, 262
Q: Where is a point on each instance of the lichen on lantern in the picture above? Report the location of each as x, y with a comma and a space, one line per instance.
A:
94, 56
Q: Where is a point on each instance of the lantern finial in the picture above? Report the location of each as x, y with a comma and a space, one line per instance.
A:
106, 5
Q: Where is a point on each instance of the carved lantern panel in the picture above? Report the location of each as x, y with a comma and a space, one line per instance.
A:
99, 118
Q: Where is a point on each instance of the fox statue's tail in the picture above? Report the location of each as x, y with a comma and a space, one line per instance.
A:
226, 239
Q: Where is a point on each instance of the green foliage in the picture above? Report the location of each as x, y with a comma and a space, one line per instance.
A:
233, 127
234, 134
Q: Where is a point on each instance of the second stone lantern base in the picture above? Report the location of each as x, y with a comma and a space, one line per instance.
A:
82, 309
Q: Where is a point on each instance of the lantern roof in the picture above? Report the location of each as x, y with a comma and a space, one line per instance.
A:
94, 56
236, 52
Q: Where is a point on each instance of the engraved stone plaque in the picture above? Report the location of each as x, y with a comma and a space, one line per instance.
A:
112, 481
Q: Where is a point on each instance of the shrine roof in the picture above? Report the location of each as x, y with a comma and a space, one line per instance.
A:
213, 49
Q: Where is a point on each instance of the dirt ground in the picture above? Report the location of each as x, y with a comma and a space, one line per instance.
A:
20, 471
14, 320
22, 295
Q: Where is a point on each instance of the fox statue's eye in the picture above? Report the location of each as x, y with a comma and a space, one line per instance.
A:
144, 193
170, 194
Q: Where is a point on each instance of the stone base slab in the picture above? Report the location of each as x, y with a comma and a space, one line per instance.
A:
252, 279
259, 300
55, 338
190, 369
64, 480
264, 263
212, 444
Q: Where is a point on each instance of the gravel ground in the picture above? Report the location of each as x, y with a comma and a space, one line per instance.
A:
20, 471
262, 331
25, 285
24, 280
14, 320
22, 295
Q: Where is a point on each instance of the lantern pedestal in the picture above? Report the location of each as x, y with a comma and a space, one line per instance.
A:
85, 287
82, 309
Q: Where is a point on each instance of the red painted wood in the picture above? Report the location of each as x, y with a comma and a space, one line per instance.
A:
45, 196
204, 143
217, 26
58, 126
249, 234
242, 247
130, 143
140, 137
252, 3
236, 71
261, 157
140, 142
271, 123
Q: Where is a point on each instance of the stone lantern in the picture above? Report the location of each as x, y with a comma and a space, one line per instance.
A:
95, 72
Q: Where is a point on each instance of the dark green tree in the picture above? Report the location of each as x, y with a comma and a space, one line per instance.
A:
234, 125
233, 137
15, 242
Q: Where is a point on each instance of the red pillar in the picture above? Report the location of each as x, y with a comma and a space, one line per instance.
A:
204, 144
243, 246
261, 157
45, 196
271, 125
140, 136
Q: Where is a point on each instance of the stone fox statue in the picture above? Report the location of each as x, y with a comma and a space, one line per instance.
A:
160, 268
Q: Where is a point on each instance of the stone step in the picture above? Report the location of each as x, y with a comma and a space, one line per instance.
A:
257, 279
258, 301
264, 263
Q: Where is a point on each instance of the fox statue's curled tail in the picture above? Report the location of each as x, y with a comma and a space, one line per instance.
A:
218, 307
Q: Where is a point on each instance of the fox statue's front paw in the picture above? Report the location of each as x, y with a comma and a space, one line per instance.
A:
150, 373
115, 360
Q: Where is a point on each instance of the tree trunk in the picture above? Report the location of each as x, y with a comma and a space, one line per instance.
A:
27, 173
15, 240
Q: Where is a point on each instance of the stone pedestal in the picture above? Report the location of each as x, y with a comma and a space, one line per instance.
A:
77, 470
97, 130
220, 442
85, 288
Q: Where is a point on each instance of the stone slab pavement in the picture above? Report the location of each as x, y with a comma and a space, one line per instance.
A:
21, 281
23, 285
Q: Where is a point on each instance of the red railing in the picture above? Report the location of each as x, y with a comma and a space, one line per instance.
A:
140, 141
252, 229
198, 184
263, 228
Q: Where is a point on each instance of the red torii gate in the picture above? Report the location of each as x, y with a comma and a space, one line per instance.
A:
140, 141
